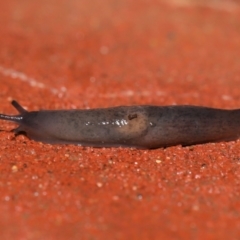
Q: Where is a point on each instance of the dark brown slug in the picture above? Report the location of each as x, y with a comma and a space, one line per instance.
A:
129, 126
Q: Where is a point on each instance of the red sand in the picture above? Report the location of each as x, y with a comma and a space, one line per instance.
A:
84, 54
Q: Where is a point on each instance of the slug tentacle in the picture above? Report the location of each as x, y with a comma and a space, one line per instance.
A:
14, 118
18, 107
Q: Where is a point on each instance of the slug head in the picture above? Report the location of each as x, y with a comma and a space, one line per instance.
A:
15, 118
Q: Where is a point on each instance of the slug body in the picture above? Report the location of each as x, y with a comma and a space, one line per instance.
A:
132, 126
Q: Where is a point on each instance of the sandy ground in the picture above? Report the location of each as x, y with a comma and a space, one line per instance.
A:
57, 54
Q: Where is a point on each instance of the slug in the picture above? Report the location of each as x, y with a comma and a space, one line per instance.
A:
129, 126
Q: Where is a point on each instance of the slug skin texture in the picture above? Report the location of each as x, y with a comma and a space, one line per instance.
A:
129, 126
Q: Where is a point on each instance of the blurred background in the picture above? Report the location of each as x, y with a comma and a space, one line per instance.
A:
126, 52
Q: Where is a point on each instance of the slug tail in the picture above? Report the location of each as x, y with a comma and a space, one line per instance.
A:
18, 107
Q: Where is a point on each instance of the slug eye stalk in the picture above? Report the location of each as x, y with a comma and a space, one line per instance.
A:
14, 118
